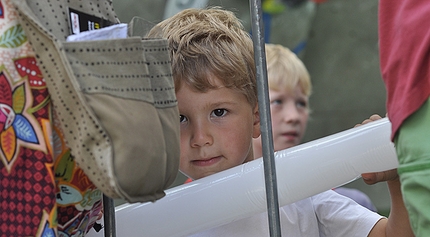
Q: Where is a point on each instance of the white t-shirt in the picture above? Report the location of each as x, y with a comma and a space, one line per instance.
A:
327, 214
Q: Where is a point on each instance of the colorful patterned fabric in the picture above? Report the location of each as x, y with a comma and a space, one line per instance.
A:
115, 98
42, 192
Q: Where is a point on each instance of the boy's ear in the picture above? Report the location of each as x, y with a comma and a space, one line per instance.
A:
256, 128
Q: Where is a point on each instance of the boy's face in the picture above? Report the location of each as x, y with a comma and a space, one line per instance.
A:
290, 113
217, 128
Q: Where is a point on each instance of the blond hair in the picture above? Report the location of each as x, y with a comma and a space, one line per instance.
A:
209, 42
285, 70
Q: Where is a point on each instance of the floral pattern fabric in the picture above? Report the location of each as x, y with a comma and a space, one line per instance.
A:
42, 192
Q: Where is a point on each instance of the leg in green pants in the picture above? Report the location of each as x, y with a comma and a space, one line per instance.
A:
413, 151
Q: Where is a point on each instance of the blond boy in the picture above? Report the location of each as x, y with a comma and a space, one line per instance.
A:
289, 90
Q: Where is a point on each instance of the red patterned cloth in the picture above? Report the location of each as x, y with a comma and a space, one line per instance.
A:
43, 192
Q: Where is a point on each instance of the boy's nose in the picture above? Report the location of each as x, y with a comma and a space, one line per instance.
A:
291, 114
201, 136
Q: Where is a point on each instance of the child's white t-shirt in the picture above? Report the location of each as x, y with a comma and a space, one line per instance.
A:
327, 214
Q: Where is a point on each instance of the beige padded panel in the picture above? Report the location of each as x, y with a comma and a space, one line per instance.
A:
115, 100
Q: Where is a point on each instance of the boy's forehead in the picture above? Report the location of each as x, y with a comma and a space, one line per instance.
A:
209, 82
190, 98
284, 85
201, 83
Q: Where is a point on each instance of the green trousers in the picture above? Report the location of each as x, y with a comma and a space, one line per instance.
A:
413, 151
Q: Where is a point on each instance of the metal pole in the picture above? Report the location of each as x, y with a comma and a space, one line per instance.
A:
265, 119
109, 217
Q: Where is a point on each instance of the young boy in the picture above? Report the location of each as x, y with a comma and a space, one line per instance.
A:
289, 90
215, 80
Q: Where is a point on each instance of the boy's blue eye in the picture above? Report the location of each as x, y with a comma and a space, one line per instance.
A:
302, 103
219, 112
276, 102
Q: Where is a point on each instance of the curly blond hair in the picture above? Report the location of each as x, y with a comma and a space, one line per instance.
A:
209, 42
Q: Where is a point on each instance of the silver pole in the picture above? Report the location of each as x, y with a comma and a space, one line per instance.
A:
265, 119
109, 217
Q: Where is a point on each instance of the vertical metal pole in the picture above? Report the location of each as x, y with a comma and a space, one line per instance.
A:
109, 217
265, 119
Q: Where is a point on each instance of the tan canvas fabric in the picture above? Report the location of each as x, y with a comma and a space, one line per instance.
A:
115, 100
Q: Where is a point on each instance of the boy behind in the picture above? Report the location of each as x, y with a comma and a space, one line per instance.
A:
289, 90
215, 80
